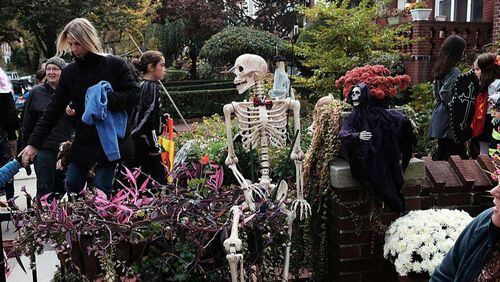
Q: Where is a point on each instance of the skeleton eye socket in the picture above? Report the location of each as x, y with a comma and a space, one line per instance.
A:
240, 68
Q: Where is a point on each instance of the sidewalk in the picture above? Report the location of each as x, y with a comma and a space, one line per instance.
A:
45, 263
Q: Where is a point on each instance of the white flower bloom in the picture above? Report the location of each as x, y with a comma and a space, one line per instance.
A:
426, 233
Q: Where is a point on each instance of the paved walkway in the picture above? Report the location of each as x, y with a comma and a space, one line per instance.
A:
45, 263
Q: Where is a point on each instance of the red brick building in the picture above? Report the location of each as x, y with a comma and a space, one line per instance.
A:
477, 21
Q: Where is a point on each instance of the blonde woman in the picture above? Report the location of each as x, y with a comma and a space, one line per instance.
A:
90, 67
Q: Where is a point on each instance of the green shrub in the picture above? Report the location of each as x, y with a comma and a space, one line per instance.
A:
200, 103
169, 84
175, 75
205, 86
224, 47
422, 102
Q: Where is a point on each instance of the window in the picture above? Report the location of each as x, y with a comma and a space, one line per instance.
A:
459, 10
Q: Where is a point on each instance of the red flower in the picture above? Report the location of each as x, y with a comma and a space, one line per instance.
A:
377, 78
204, 160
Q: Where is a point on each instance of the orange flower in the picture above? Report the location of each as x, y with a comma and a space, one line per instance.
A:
204, 160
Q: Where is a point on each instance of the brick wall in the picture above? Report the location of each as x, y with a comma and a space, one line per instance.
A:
359, 256
429, 36
488, 10
496, 21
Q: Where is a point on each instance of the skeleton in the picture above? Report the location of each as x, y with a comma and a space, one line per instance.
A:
261, 123
355, 95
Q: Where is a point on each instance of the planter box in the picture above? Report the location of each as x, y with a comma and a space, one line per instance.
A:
421, 14
89, 264
393, 20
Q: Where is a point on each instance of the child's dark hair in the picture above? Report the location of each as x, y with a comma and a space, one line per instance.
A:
148, 57
450, 54
40, 75
490, 71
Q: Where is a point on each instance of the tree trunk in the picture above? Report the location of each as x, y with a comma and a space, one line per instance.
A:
193, 55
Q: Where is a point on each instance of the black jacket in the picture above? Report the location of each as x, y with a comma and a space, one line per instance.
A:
38, 101
146, 119
9, 122
75, 79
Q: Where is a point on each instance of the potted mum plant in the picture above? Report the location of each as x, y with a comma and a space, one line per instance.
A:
417, 242
382, 85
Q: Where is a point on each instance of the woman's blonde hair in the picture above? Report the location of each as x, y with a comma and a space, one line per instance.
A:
84, 32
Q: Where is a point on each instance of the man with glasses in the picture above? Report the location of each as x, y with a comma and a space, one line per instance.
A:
49, 180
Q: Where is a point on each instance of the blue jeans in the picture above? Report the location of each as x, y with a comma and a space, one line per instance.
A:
77, 177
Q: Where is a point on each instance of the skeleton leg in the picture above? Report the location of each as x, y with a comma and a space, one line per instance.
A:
286, 266
233, 245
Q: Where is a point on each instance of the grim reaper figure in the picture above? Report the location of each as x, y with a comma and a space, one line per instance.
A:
376, 141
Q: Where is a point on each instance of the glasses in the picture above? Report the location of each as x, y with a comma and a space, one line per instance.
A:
52, 69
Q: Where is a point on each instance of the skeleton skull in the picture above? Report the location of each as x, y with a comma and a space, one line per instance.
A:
248, 69
355, 95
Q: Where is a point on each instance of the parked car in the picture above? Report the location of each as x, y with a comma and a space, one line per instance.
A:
21, 88
12, 75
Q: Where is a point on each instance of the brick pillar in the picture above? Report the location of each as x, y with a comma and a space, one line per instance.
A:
488, 10
419, 65
496, 21
352, 256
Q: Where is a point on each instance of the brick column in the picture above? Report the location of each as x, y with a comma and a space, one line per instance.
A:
496, 21
352, 255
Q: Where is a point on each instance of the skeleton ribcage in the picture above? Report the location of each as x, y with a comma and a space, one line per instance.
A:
256, 122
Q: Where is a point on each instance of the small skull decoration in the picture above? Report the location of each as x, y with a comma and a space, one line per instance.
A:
248, 69
355, 95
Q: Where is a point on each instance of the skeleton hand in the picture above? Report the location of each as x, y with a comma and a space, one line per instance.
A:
365, 135
303, 206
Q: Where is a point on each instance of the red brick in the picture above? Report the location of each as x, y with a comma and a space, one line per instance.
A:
427, 202
351, 237
412, 203
469, 173
345, 209
410, 191
441, 175
349, 195
455, 199
356, 265
347, 251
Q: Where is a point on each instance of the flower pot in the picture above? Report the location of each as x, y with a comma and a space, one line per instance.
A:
89, 264
420, 14
393, 20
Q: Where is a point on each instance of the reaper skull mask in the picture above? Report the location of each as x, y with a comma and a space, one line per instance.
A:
248, 69
355, 95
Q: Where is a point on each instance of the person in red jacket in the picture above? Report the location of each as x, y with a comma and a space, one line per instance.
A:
487, 70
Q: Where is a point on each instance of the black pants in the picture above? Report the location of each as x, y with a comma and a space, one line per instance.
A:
9, 190
447, 147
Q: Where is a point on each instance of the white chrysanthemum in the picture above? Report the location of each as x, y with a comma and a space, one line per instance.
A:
418, 241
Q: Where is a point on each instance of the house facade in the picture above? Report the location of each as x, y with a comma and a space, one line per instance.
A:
477, 21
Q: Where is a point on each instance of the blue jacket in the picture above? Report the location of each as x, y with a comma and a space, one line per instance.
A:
468, 256
439, 126
110, 125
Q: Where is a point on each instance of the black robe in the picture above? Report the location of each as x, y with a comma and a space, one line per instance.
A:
375, 163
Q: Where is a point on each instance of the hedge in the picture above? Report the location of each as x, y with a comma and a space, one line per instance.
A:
169, 83
207, 86
200, 103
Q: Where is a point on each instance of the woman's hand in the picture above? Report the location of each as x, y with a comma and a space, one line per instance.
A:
28, 154
69, 111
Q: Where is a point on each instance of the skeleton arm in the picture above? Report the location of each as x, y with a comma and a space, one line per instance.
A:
298, 156
232, 159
